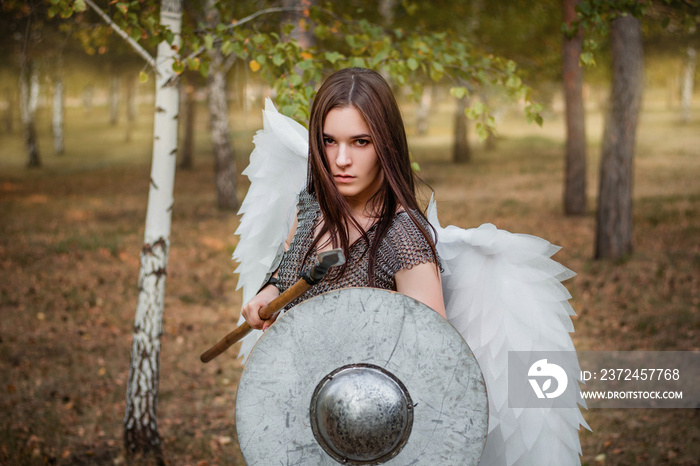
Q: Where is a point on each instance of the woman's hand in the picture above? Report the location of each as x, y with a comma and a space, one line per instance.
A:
262, 299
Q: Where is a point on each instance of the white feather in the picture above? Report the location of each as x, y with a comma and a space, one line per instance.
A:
277, 173
503, 293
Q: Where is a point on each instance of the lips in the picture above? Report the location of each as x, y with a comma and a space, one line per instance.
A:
343, 178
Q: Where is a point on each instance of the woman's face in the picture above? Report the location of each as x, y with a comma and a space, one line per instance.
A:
351, 155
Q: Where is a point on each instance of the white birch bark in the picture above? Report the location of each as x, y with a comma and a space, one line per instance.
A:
114, 94
29, 98
10, 97
140, 427
58, 113
687, 84
130, 89
423, 112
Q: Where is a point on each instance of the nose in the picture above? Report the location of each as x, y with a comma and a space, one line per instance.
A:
343, 159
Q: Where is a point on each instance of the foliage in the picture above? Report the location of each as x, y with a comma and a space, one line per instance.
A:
407, 58
596, 15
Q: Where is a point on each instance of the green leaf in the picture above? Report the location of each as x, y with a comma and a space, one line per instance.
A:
79, 6
334, 56
475, 111
305, 64
178, 67
459, 92
514, 82
295, 80
481, 131
587, 59
288, 28
123, 7
277, 59
412, 64
143, 77
436, 71
204, 69
227, 47
209, 42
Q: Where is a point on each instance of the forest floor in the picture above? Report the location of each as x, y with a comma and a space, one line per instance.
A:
70, 236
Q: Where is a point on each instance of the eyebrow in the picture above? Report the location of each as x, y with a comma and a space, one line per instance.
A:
359, 136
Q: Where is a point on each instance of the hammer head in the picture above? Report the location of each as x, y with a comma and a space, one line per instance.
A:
331, 258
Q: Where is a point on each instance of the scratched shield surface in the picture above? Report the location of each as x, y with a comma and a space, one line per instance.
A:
361, 326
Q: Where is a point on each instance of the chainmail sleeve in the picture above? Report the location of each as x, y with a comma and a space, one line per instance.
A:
405, 246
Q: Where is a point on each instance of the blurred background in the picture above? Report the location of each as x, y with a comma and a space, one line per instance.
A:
512, 118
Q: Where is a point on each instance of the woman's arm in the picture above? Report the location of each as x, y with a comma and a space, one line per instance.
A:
251, 308
422, 282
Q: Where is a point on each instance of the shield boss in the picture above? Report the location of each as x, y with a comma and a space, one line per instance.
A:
361, 376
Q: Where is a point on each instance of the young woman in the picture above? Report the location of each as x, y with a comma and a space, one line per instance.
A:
503, 290
360, 196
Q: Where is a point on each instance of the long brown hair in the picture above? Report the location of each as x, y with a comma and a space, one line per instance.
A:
366, 91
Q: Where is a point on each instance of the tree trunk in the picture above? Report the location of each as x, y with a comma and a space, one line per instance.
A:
386, 10
614, 221
9, 111
224, 163
303, 35
88, 94
687, 85
130, 88
29, 97
423, 112
575, 179
58, 109
188, 123
140, 427
114, 85
460, 149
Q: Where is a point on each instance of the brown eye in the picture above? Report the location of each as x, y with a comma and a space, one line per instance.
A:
362, 142
328, 141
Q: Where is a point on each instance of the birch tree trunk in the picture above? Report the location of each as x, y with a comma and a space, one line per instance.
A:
58, 108
687, 84
88, 94
9, 111
224, 163
130, 88
29, 98
575, 172
460, 149
114, 85
614, 220
140, 427
423, 112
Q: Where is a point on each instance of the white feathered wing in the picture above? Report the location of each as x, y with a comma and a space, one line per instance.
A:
277, 173
503, 293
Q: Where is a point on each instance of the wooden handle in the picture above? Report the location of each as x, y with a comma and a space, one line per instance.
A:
292, 293
226, 342
296, 290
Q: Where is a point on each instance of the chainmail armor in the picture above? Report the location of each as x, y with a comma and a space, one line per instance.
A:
403, 247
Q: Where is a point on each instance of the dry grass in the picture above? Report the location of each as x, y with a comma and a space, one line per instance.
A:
70, 236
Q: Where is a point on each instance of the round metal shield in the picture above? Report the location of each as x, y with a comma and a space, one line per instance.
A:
339, 369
